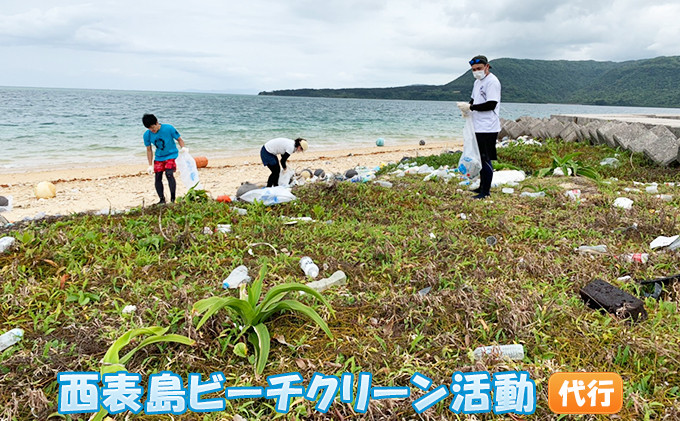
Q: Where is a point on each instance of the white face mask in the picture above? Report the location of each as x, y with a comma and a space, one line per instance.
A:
479, 74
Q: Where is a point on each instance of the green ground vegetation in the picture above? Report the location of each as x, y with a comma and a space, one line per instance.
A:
68, 279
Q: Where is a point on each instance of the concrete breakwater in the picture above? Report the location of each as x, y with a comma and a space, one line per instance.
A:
657, 136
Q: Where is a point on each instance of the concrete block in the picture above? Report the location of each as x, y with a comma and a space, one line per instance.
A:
604, 133
570, 132
664, 150
553, 128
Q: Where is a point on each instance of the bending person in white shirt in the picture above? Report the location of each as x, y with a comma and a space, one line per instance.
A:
279, 146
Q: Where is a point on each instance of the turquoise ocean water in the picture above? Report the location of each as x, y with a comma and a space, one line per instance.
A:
62, 128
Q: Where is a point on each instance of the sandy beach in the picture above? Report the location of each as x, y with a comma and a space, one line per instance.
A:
124, 187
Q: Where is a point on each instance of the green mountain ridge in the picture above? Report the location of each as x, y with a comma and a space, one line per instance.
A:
649, 83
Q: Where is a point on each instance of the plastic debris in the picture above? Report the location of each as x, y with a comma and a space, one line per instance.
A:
653, 189
463, 216
491, 240
508, 190
6, 243
611, 162
559, 172
662, 241
237, 277
623, 203
45, 190
599, 249
129, 309
269, 195
223, 228
513, 352
533, 194
309, 267
336, 279
574, 194
423, 292
665, 197
658, 289
507, 177
635, 257
240, 211
383, 183
207, 231
10, 338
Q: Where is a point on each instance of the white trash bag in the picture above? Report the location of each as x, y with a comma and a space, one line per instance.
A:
188, 173
269, 195
470, 161
286, 177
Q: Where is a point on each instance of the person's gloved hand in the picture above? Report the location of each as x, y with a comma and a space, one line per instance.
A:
184, 149
149, 170
464, 108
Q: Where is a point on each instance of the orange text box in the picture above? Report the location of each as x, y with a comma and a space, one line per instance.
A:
585, 393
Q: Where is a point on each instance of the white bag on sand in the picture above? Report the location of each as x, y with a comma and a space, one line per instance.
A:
269, 195
470, 161
188, 173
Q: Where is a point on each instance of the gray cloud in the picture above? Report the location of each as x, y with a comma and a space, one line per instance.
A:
267, 44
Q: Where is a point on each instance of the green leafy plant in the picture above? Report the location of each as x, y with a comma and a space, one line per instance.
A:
113, 362
195, 195
569, 166
253, 313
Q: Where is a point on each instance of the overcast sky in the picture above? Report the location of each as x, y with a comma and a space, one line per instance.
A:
254, 45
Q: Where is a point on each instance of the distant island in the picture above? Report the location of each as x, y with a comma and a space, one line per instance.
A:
643, 83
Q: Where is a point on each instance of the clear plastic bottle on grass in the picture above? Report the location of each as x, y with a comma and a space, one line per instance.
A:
309, 267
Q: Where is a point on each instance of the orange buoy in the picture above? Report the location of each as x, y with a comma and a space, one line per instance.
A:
201, 161
224, 199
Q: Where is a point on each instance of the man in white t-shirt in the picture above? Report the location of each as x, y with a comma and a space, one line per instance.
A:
279, 146
484, 107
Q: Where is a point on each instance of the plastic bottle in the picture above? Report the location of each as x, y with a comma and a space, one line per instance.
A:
6, 243
635, 257
236, 277
601, 249
309, 267
10, 338
513, 352
337, 278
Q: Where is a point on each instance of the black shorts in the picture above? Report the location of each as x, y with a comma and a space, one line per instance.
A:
487, 146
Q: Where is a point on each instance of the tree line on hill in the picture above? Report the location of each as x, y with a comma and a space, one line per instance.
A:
643, 83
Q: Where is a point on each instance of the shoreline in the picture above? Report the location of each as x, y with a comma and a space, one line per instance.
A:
121, 187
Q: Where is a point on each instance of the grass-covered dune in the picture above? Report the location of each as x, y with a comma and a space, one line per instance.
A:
67, 281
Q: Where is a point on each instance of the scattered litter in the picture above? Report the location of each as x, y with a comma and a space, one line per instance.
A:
669, 184
224, 198
382, 183
631, 190
611, 162
508, 177
245, 187
224, 228
574, 194
533, 194
129, 309
652, 189
635, 257
662, 280
599, 249
207, 231
513, 352
237, 277
658, 289
309, 267
269, 195
599, 294
520, 141
11, 337
423, 292
559, 172
432, 236
6, 243
491, 240
463, 216
665, 197
624, 278
623, 203
336, 279
508, 190
661, 241
242, 212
